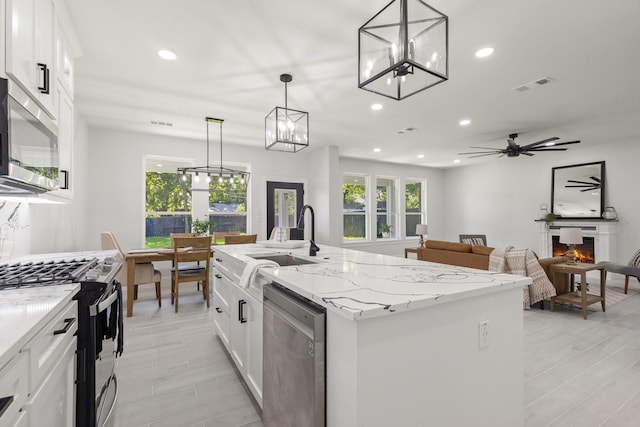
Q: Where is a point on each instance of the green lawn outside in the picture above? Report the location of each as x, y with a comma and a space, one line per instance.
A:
165, 242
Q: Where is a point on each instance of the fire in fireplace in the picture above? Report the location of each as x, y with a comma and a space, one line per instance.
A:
584, 252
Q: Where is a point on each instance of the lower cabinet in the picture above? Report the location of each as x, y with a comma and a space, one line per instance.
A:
238, 322
41, 377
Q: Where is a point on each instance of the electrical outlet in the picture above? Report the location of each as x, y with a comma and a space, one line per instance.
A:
483, 334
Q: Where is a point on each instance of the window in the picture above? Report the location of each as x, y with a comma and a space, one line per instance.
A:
414, 205
386, 208
354, 207
228, 206
167, 206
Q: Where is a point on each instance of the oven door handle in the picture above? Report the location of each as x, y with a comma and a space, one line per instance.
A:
103, 305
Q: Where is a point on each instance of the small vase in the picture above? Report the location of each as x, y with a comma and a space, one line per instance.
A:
610, 213
544, 210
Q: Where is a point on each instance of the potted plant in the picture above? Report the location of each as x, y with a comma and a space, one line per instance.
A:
200, 227
579, 288
385, 229
549, 218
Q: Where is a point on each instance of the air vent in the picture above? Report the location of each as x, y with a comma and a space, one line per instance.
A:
534, 84
409, 129
159, 123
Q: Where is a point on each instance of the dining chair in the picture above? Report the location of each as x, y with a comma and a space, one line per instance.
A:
220, 235
144, 273
237, 240
189, 250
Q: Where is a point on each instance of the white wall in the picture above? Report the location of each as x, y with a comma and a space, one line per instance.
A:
117, 178
501, 198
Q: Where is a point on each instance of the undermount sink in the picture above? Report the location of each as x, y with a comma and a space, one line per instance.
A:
284, 260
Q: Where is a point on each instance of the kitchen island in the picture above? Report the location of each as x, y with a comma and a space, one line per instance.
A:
410, 342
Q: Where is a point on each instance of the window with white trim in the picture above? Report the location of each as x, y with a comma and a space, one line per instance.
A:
354, 207
386, 202
415, 206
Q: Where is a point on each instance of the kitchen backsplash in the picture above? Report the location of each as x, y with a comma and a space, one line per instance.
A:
15, 234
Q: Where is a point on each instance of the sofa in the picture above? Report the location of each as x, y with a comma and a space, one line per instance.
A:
477, 256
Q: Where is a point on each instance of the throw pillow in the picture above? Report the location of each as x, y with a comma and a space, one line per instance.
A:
635, 260
473, 241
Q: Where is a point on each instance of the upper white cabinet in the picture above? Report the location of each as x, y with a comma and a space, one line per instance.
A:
30, 41
64, 59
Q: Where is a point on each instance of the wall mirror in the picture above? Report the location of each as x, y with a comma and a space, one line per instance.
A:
577, 191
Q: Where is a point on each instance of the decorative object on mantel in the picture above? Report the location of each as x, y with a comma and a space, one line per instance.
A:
571, 237
549, 218
224, 174
544, 210
286, 129
514, 150
403, 50
610, 213
421, 230
577, 191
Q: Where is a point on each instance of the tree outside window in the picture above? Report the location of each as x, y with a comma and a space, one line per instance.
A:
167, 207
354, 207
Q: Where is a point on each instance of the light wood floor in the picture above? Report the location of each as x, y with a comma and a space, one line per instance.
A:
174, 371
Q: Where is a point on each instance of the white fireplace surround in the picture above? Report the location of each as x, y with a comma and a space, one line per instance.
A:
603, 233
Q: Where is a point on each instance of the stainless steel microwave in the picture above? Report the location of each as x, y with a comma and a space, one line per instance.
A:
28, 144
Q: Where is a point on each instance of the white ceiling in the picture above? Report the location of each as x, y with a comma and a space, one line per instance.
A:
231, 53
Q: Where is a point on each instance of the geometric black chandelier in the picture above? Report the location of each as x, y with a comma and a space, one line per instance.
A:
221, 173
286, 129
403, 49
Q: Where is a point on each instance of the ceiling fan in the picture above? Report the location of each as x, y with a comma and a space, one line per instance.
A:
514, 150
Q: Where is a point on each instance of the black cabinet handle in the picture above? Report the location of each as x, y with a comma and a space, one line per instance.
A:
218, 309
45, 78
218, 259
218, 276
241, 305
68, 322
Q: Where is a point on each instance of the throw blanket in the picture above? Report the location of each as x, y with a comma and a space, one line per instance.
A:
523, 262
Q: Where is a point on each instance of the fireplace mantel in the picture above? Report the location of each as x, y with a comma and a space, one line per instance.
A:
602, 231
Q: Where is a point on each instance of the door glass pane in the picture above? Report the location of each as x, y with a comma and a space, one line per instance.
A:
285, 207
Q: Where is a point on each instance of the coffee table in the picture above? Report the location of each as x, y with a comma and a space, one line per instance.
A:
583, 299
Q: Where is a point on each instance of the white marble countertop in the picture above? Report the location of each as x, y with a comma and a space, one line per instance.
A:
361, 285
23, 312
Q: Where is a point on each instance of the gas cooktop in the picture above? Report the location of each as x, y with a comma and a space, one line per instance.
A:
47, 273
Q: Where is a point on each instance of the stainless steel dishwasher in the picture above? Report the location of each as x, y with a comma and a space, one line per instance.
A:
293, 393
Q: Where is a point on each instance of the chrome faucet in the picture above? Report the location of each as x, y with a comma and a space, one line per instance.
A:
313, 248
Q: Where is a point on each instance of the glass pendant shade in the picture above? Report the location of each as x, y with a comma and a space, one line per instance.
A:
286, 129
403, 49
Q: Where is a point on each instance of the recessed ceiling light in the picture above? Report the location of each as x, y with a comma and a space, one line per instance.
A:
376, 107
484, 52
159, 165
456, 161
420, 156
465, 122
377, 150
167, 54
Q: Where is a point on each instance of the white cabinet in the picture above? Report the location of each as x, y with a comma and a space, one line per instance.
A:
238, 322
41, 377
64, 60
30, 48
65, 142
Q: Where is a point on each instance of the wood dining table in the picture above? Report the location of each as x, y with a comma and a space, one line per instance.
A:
140, 256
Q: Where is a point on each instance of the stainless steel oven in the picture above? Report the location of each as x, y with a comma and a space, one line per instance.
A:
100, 326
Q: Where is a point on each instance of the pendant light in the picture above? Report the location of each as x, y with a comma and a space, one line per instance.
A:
286, 129
403, 49
224, 174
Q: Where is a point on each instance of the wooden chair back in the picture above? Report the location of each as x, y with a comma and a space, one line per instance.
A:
237, 240
190, 250
219, 235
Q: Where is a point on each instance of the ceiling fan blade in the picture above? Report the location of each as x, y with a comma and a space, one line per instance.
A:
595, 178
526, 153
546, 149
578, 186
485, 154
564, 143
488, 148
580, 182
544, 141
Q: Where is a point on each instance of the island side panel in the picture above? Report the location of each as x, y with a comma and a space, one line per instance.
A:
425, 365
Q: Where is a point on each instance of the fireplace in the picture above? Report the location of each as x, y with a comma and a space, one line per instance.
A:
584, 252
598, 233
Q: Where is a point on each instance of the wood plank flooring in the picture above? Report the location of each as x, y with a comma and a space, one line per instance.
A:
174, 371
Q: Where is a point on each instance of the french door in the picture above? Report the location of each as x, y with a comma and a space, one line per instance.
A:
284, 202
